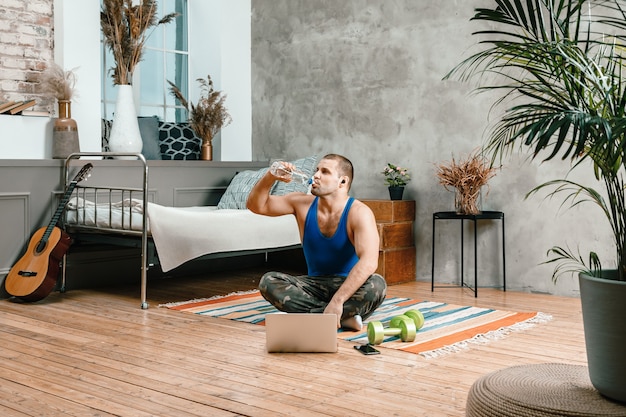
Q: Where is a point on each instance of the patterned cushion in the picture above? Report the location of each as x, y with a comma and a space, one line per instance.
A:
307, 166
178, 141
106, 132
237, 192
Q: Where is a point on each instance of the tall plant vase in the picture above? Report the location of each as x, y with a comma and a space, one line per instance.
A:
604, 310
64, 132
125, 135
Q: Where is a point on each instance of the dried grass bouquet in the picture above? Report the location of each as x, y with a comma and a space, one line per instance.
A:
125, 24
57, 83
467, 177
209, 115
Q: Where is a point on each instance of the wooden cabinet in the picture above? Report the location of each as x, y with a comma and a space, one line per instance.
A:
396, 259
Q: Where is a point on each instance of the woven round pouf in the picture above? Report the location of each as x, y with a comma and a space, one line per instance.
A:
550, 389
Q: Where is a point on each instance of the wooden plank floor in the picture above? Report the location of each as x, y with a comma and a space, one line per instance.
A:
96, 353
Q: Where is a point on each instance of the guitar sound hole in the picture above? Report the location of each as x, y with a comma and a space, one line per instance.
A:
40, 246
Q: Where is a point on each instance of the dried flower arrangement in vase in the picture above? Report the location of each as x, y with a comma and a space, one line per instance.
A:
208, 116
59, 84
467, 177
125, 25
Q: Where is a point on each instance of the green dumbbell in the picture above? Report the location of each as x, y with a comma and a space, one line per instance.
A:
405, 328
417, 317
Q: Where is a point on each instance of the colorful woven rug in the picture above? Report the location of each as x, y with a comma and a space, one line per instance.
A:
447, 328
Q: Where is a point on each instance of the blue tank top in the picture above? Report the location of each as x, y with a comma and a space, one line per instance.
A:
333, 255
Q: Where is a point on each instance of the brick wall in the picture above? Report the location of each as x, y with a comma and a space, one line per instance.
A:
26, 46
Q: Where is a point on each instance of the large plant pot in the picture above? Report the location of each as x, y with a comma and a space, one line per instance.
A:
604, 310
125, 134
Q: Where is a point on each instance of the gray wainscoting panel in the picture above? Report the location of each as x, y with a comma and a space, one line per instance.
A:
197, 196
15, 225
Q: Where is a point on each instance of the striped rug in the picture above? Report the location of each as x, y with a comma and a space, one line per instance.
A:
447, 327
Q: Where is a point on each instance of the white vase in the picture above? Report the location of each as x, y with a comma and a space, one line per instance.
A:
125, 135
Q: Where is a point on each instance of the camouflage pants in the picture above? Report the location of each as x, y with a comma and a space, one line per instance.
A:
306, 294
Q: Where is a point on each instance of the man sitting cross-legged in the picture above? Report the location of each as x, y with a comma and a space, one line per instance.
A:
340, 242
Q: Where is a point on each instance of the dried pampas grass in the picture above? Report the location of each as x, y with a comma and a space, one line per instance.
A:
467, 177
209, 115
125, 25
57, 83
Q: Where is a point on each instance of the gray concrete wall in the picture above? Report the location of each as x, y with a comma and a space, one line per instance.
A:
364, 78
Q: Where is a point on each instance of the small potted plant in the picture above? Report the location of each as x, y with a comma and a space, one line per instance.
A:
467, 177
206, 117
396, 178
59, 85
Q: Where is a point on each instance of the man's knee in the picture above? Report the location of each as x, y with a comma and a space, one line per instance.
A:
378, 285
266, 283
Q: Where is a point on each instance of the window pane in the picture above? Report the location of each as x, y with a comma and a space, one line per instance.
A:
108, 90
159, 63
176, 30
176, 114
152, 86
176, 72
147, 111
155, 34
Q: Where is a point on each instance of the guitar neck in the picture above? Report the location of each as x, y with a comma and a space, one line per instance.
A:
59, 210
82, 174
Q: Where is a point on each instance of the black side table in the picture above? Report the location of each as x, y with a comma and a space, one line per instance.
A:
484, 215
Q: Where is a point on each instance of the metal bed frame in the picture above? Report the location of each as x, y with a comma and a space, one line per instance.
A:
95, 193
128, 234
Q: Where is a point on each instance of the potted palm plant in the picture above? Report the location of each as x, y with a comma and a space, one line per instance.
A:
562, 64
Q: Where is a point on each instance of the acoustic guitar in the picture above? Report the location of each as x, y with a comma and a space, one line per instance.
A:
33, 277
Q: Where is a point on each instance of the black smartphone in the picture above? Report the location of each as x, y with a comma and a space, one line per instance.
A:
367, 349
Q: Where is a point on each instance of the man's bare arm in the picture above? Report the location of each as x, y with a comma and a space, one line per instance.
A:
259, 197
366, 244
260, 200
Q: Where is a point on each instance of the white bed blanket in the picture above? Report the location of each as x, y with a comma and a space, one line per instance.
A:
181, 234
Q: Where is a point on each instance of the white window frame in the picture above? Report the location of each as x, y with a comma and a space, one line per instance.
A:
77, 37
144, 108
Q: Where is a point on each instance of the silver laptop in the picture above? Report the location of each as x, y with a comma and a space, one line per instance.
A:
301, 332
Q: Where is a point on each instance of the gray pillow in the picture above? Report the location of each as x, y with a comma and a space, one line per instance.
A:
236, 195
149, 129
240, 186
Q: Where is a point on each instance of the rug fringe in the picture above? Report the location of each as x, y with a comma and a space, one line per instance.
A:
199, 300
482, 339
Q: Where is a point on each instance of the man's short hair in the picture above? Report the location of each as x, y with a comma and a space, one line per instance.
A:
345, 166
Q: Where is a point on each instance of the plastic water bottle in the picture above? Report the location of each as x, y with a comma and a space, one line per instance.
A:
279, 169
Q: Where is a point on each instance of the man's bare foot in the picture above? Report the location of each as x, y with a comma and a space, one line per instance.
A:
352, 323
